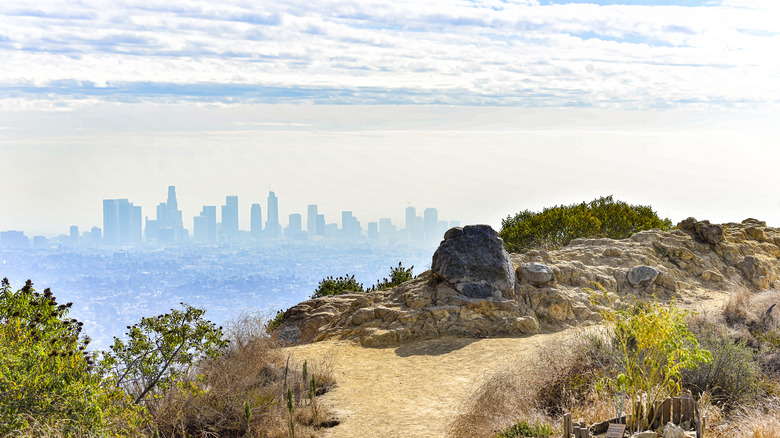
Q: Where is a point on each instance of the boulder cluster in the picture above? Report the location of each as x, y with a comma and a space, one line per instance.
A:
476, 289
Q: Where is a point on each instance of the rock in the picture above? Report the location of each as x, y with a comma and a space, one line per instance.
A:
673, 431
537, 274
645, 434
712, 276
642, 276
710, 233
474, 260
755, 272
611, 252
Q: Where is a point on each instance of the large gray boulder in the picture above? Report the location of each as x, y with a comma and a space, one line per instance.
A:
474, 261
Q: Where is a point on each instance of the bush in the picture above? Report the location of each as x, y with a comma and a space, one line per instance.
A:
337, 286
398, 276
48, 381
732, 376
556, 226
526, 429
654, 346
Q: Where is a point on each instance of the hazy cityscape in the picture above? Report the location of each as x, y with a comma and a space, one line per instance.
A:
138, 264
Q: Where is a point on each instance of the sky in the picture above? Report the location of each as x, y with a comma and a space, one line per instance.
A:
478, 108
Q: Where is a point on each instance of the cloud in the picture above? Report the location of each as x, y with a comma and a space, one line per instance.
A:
490, 52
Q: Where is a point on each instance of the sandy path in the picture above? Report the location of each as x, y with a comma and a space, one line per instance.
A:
413, 390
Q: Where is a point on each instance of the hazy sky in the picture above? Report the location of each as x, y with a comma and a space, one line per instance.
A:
478, 108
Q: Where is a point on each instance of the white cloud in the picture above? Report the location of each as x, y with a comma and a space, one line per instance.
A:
377, 51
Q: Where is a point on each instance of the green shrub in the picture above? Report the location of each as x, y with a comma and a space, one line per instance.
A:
398, 276
161, 350
526, 429
557, 226
654, 346
337, 286
732, 376
48, 380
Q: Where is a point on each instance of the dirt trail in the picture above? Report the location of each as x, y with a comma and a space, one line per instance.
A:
413, 390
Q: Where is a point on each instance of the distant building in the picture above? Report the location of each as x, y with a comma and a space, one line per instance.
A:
121, 222
256, 221
373, 231
169, 226
74, 235
204, 226
293, 230
320, 224
387, 231
14, 239
229, 225
311, 220
350, 227
273, 229
95, 236
40, 242
431, 226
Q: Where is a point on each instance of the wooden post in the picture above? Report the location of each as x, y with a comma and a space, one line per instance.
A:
676, 410
689, 410
666, 411
567, 429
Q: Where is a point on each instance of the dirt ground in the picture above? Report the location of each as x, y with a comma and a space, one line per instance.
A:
415, 390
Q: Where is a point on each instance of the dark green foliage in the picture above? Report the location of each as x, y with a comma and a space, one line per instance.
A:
733, 375
162, 349
48, 379
274, 323
398, 275
556, 226
526, 429
337, 286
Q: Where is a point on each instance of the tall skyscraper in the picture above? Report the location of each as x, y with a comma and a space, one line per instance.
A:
431, 226
350, 226
121, 222
229, 230
169, 226
205, 225
273, 229
311, 220
415, 231
256, 221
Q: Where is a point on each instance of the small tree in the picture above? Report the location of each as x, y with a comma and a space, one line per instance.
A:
161, 349
47, 374
652, 346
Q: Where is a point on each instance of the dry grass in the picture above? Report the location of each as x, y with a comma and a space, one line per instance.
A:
255, 371
537, 389
562, 379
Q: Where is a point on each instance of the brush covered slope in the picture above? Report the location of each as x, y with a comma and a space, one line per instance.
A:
476, 289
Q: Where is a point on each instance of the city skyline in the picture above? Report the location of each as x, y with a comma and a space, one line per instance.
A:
123, 224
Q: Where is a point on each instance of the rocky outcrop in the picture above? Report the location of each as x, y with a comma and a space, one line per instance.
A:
473, 260
476, 289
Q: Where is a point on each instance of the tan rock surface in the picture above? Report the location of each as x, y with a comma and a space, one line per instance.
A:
552, 289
